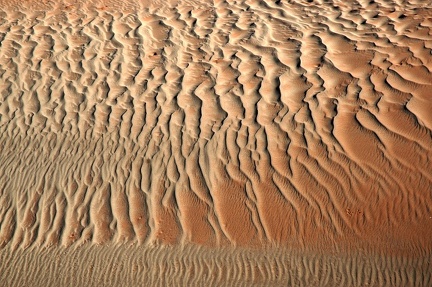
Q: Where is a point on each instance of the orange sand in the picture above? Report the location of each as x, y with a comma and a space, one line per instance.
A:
253, 125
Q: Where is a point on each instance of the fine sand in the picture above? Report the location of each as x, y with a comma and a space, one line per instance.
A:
216, 143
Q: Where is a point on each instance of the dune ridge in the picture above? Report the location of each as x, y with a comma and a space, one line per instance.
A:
225, 123
244, 123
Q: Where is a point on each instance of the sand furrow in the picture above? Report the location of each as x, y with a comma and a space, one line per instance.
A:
159, 266
243, 123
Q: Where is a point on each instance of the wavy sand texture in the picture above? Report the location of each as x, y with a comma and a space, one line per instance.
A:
192, 266
226, 123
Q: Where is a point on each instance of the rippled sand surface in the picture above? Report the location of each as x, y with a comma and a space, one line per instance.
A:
227, 143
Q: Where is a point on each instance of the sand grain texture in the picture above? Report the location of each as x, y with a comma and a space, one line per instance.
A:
304, 125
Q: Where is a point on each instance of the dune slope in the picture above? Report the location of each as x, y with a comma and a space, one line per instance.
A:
226, 123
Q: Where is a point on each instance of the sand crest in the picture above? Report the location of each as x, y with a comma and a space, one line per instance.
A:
268, 125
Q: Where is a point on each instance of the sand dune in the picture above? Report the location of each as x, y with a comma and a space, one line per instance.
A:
286, 124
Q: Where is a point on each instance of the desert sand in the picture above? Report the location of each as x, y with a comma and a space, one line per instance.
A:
218, 143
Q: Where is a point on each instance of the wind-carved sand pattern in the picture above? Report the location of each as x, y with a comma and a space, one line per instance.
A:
303, 124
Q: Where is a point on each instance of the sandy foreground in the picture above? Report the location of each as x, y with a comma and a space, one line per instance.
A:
216, 143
